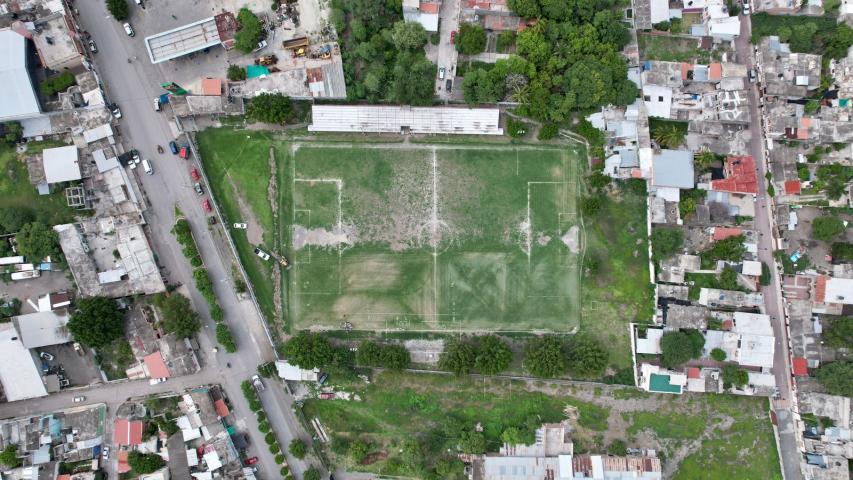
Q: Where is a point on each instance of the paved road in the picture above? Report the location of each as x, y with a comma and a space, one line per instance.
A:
447, 55
133, 85
772, 293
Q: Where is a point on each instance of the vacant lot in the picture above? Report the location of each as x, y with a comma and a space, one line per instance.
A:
702, 436
462, 238
671, 48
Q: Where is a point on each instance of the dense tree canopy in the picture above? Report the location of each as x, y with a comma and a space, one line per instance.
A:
297, 448
142, 463
493, 355
839, 333
414, 79
118, 9
270, 108
586, 357
9, 456
312, 473
372, 354
837, 378
247, 37
471, 39
458, 356
408, 36
37, 241
568, 60
13, 218
177, 314
734, 376
678, 347
96, 322
308, 350
544, 356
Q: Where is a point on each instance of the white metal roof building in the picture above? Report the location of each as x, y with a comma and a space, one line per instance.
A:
184, 40
42, 329
18, 99
19, 375
398, 119
61, 164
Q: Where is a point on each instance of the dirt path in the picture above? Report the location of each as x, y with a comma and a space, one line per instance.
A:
253, 229
272, 198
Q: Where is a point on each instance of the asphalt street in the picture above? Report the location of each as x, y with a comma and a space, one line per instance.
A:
132, 81
772, 293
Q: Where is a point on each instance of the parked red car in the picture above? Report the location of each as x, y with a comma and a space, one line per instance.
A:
327, 396
184, 153
251, 461
194, 175
453, 36
206, 206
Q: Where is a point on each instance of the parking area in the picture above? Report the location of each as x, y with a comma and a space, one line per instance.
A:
77, 367
31, 289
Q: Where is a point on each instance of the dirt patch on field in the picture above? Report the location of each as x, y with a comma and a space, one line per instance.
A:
572, 239
254, 232
374, 457
272, 197
320, 237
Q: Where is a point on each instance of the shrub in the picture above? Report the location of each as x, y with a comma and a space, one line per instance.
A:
269, 438
298, 449
275, 449
58, 83
263, 427
225, 338
249, 34
118, 9
279, 459
515, 128
718, 354
284, 472
548, 131
544, 356
734, 376
236, 73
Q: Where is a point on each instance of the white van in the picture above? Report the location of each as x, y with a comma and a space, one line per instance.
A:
146, 165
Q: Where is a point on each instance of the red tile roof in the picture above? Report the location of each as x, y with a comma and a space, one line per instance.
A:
741, 176
722, 233
428, 7
156, 366
221, 408
800, 367
792, 187
685, 70
127, 432
123, 467
715, 71
211, 86
820, 289
63, 477
692, 372
728, 324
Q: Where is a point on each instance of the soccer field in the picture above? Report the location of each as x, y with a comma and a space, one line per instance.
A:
433, 237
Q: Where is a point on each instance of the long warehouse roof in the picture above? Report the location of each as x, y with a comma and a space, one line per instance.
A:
374, 119
183, 40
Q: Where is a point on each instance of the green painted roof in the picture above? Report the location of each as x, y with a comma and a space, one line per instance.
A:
660, 383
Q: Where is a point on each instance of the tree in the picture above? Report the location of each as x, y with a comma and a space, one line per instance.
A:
12, 132
839, 334
413, 79
225, 338
297, 448
12, 219
837, 378
142, 463
544, 356
178, 315
412, 455
247, 37
512, 436
458, 357
505, 40
236, 73
704, 159
394, 357
666, 242
548, 131
308, 350
450, 468
525, 8
311, 474
493, 355
97, 322
9, 456
471, 441
668, 136
471, 39
734, 376
270, 108
718, 354
827, 228
37, 241
118, 9
811, 107
409, 36
586, 357
676, 349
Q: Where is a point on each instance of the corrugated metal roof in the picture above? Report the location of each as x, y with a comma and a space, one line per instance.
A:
182, 40
19, 99
369, 118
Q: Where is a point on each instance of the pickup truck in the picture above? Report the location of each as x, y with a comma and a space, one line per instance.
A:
257, 383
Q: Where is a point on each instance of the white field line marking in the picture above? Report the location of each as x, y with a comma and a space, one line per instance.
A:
434, 221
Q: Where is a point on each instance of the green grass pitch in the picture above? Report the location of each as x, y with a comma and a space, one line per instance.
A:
433, 238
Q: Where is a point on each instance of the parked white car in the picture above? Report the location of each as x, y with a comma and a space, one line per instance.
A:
46, 356
240, 226
79, 399
264, 255
128, 29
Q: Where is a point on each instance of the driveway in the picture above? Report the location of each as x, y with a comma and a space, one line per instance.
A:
790, 452
133, 84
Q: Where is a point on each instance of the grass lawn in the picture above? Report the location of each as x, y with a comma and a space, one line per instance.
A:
698, 436
16, 192
462, 239
620, 291
672, 49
